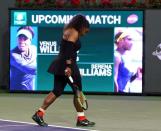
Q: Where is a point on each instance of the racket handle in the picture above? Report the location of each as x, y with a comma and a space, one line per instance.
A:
71, 79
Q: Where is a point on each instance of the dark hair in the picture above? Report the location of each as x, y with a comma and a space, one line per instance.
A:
78, 22
29, 28
117, 36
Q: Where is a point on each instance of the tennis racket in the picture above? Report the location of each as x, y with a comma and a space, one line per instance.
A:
80, 95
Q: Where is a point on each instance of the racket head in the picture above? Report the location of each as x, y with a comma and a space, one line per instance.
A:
82, 100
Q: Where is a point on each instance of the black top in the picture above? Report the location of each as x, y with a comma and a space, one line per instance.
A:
68, 50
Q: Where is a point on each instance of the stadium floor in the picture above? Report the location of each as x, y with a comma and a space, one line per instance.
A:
110, 112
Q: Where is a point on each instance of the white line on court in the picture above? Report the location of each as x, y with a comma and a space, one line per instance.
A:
48, 125
11, 126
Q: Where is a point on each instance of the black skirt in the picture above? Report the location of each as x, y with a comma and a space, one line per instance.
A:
58, 66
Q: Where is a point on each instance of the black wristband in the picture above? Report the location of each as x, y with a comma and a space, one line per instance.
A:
69, 65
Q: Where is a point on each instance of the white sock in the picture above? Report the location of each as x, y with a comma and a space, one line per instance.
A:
80, 114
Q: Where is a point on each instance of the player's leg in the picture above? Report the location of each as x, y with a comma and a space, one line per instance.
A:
81, 118
38, 116
59, 85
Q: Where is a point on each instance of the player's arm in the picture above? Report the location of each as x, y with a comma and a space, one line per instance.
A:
27, 67
71, 36
138, 74
116, 69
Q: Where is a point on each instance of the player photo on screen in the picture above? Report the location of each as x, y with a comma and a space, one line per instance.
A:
23, 54
128, 59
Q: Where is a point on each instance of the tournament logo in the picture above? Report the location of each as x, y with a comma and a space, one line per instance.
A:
132, 19
157, 52
20, 18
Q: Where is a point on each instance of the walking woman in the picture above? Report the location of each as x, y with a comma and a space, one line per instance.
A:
64, 66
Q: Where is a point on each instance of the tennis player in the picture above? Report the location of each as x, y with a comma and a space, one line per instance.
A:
122, 72
64, 66
23, 61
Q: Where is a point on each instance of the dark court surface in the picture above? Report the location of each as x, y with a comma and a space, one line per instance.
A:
21, 126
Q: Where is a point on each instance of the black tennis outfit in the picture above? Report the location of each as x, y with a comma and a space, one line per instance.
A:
68, 51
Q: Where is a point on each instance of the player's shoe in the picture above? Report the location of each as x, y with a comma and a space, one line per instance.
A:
39, 120
85, 122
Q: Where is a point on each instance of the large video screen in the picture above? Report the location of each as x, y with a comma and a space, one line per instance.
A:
110, 60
